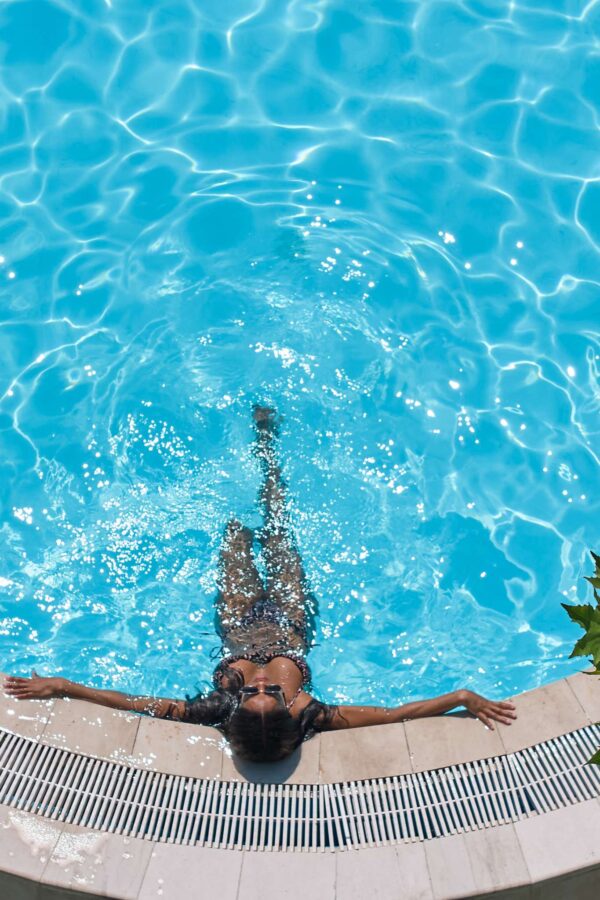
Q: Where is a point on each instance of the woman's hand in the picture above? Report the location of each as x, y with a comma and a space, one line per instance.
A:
486, 710
34, 688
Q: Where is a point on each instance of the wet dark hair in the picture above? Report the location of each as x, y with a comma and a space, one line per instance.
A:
217, 706
255, 736
273, 735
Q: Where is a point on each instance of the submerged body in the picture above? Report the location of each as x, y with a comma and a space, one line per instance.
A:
262, 697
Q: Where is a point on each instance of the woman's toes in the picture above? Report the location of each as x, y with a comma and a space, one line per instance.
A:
265, 417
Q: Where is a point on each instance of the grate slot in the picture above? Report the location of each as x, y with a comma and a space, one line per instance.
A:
193, 814
32, 775
64, 764
332, 823
136, 788
135, 828
383, 819
421, 810
71, 799
404, 808
498, 794
429, 789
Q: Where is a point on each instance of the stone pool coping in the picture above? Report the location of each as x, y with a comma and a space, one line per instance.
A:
553, 854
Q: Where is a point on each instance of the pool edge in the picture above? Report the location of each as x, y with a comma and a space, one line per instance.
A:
509, 860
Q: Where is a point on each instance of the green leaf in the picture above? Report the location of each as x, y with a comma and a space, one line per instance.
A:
589, 644
595, 760
580, 614
596, 559
594, 581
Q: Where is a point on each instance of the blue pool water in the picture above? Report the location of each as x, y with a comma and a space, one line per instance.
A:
382, 217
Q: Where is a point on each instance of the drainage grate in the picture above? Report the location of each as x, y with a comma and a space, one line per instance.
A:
112, 797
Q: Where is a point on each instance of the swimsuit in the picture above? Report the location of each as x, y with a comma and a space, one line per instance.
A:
261, 658
261, 634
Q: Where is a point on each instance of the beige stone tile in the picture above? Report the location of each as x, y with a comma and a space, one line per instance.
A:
359, 753
478, 864
561, 841
26, 842
302, 767
179, 872
449, 867
91, 729
543, 714
383, 873
446, 740
98, 862
496, 858
587, 690
178, 748
293, 876
413, 864
25, 717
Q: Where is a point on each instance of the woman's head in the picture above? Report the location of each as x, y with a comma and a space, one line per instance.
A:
264, 733
258, 725
262, 729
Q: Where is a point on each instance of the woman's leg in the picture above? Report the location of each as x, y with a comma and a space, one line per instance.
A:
286, 580
239, 583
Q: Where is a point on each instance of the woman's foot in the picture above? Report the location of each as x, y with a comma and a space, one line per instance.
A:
238, 538
266, 422
265, 419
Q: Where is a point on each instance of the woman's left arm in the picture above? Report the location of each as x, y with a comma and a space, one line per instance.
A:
485, 710
38, 688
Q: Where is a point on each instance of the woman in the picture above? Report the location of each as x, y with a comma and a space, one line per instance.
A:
261, 698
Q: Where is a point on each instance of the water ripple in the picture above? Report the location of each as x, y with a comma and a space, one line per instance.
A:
382, 219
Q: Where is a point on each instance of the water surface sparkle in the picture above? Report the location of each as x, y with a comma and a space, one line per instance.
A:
383, 219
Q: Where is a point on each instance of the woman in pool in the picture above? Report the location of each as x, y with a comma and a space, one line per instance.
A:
261, 699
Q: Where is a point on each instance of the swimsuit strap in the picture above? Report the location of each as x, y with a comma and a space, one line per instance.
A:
293, 700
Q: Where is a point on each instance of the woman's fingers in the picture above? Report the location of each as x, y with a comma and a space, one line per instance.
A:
17, 682
20, 688
500, 712
486, 721
500, 715
506, 711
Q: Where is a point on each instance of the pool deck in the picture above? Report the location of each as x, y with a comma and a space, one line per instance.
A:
551, 855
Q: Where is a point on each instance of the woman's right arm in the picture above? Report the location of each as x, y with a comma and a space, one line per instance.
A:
38, 688
360, 716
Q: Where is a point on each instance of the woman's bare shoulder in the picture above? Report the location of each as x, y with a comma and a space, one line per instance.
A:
325, 713
302, 701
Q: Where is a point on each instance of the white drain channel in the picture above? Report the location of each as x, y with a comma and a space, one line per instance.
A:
108, 796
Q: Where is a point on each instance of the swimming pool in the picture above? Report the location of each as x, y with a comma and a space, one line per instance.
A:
384, 220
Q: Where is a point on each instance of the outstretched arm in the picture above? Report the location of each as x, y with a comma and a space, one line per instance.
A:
485, 710
38, 688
